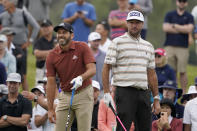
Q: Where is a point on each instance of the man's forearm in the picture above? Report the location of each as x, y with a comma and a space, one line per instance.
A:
41, 55
51, 86
105, 77
4, 123
18, 121
152, 80
187, 127
185, 29
70, 19
169, 28
88, 21
40, 120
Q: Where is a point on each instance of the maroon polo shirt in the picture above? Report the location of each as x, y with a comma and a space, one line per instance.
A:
69, 64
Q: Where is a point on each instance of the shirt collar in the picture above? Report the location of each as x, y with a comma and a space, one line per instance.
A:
138, 39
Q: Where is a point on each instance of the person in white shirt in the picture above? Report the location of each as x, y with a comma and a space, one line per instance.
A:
190, 115
103, 29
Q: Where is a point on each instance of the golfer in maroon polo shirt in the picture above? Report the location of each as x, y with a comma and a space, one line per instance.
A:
74, 64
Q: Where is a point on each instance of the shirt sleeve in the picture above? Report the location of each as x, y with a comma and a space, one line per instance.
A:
50, 66
92, 15
39, 111
167, 18
27, 108
151, 63
12, 64
112, 15
111, 54
187, 114
65, 13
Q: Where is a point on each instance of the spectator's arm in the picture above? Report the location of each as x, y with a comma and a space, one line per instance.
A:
117, 23
185, 29
187, 127
71, 19
105, 76
19, 121
102, 117
146, 9
88, 22
167, 27
40, 120
41, 54
4, 123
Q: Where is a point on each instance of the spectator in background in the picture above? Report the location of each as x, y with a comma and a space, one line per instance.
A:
18, 19
103, 29
145, 6
15, 110
163, 70
94, 39
167, 120
1, 7
42, 47
5, 57
81, 15
170, 91
3, 90
190, 115
23, 3
117, 19
14, 50
178, 24
3, 74
194, 13
40, 9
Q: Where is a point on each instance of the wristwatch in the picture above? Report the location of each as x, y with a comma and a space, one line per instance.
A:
35, 98
157, 97
5, 117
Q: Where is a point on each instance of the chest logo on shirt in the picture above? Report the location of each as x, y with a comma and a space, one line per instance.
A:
75, 57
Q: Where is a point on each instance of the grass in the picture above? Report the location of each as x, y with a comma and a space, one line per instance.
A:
191, 69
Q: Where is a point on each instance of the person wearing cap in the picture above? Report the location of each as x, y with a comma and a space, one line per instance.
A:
5, 57
169, 90
163, 70
3, 74
190, 115
145, 6
3, 90
42, 47
103, 29
94, 40
74, 64
178, 24
15, 110
116, 19
14, 50
82, 16
18, 20
132, 62
167, 120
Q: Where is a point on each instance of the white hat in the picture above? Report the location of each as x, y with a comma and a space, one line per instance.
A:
38, 87
3, 89
94, 36
135, 15
192, 90
3, 38
14, 77
95, 84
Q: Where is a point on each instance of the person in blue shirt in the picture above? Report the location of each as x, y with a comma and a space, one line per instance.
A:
178, 24
3, 74
81, 15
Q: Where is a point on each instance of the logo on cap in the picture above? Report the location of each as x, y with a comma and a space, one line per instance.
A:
135, 14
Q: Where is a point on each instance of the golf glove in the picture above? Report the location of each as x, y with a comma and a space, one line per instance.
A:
77, 82
108, 99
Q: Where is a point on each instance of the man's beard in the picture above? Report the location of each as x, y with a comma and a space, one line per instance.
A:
182, 9
64, 42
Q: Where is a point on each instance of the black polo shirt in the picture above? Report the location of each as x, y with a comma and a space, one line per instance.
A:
43, 44
17, 109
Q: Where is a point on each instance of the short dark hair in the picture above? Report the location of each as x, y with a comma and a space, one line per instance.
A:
105, 24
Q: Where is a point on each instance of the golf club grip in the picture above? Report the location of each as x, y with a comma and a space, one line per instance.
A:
110, 105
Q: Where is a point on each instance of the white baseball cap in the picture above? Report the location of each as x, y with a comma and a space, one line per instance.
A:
135, 15
94, 36
14, 77
3, 38
3, 89
38, 87
95, 84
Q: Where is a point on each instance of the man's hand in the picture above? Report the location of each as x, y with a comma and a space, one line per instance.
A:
52, 116
28, 95
26, 45
77, 82
156, 106
108, 99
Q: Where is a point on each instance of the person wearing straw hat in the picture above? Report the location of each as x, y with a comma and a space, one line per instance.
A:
190, 114
15, 110
169, 90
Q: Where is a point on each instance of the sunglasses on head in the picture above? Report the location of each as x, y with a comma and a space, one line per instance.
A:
157, 55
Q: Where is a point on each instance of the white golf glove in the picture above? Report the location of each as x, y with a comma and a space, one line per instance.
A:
77, 82
108, 99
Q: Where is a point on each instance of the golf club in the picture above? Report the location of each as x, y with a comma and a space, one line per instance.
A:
68, 117
115, 113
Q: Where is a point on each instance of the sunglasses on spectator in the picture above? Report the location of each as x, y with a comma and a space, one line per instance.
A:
157, 55
182, 1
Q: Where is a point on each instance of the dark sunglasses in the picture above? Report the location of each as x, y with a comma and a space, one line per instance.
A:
184, 1
157, 55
